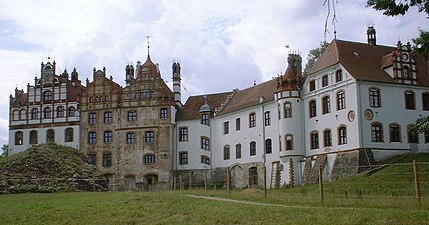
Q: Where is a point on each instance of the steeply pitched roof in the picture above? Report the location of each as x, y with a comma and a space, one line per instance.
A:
365, 61
192, 106
250, 96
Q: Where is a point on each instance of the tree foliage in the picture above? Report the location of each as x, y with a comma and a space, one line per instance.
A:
5, 150
421, 43
314, 55
421, 125
394, 7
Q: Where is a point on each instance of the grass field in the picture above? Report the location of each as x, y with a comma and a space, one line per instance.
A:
181, 207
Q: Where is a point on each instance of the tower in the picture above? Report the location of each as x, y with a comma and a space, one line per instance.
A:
370, 33
176, 83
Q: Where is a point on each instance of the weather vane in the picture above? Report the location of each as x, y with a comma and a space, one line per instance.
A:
148, 45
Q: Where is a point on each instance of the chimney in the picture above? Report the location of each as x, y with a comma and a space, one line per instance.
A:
371, 36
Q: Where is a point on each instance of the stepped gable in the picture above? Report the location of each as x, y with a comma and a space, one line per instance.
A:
251, 96
152, 67
366, 62
193, 105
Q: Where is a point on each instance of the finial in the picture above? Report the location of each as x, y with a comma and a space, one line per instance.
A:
148, 44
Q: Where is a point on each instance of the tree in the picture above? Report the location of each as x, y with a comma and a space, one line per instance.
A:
394, 8
314, 55
421, 44
5, 150
421, 125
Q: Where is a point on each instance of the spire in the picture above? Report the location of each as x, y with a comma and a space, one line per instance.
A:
206, 107
148, 46
292, 79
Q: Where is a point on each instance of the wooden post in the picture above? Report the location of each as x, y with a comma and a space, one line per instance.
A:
321, 183
265, 181
205, 180
180, 181
417, 182
93, 185
190, 180
227, 180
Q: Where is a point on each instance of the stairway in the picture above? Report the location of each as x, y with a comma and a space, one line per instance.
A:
275, 174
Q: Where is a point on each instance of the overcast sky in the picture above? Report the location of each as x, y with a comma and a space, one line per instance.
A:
221, 45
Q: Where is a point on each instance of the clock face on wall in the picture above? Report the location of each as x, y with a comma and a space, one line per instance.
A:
404, 56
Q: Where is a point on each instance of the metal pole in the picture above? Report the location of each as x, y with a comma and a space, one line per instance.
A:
417, 182
261, 101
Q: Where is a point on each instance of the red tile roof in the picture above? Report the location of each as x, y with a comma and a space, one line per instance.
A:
192, 106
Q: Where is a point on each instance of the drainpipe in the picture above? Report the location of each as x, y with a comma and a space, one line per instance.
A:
261, 102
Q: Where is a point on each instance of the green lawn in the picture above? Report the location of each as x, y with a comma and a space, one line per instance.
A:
180, 208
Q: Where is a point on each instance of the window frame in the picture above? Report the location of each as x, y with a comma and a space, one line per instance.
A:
312, 108
183, 158
149, 159
252, 120
131, 138
226, 152
326, 104
107, 117
92, 137
341, 100
342, 135
287, 107
252, 148
183, 134
238, 151
395, 133
327, 138
107, 136
92, 118
314, 140
132, 116
69, 134
410, 100
149, 136
163, 113
374, 97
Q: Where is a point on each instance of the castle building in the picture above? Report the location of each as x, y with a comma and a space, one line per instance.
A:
47, 112
355, 107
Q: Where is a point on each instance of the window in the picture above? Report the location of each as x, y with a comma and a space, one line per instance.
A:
183, 158
374, 98
108, 136
60, 111
341, 100
289, 142
130, 138
252, 148
163, 113
47, 96
237, 124
205, 160
226, 127
238, 151
253, 176
68, 135
205, 119
425, 101
91, 159
107, 117
395, 133
22, 114
412, 137
267, 118
150, 136
19, 138
327, 138
406, 70
34, 114
312, 85
226, 152
183, 136
33, 137
325, 81
92, 119
409, 100
338, 75
252, 120
268, 146
312, 108
342, 135
107, 159
426, 137
47, 113
132, 116
326, 105
376, 132
50, 135
205, 143
15, 115
149, 158
92, 138
314, 137
72, 111
288, 110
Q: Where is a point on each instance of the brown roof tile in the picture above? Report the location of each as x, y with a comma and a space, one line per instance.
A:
192, 106
250, 96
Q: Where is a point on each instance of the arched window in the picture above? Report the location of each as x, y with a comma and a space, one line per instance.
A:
374, 98
338, 75
15, 115
68, 136
72, 111
35, 114
326, 105
341, 100
327, 138
312, 108
50, 135
60, 111
33, 137
253, 176
314, 140
342, 135
47, 96
289, 142
377, 132
47, 113
287, 110
19, 138
395, 132
22, 114
226, 152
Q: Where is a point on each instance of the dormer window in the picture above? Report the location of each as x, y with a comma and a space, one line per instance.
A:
338, 75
